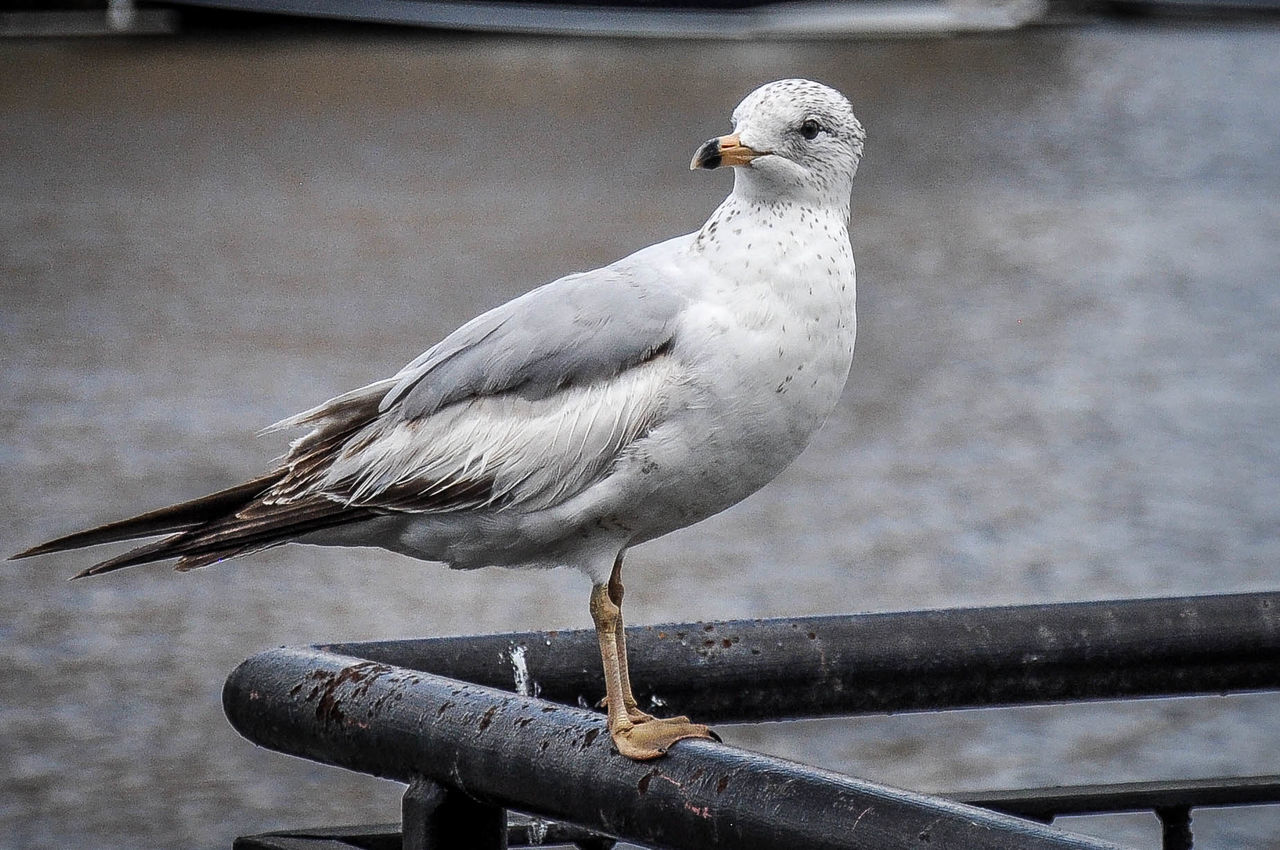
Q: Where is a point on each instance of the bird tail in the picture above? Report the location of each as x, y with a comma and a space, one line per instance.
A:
183, 517
249, 517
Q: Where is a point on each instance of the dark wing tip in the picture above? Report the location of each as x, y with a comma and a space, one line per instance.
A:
42, 549
78, 540
98, 569
163, 520
147, 554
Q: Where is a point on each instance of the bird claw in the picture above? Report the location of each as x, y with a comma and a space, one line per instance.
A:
653, 737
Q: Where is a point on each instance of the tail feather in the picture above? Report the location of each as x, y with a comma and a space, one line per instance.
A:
187, 563
261, 526
162, 550
265, 512
256, 527
145, 554
174, 518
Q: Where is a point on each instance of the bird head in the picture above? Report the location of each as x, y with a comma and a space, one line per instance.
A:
791, 140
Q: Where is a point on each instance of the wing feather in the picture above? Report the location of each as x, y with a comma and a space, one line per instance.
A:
499, 451
578, 329
525, 405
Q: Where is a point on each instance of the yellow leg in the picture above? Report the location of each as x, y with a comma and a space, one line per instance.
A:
628, 699
635, 738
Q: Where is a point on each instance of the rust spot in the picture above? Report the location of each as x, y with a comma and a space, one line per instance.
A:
444, 706
329, 706
708, 628
708, 643
680, 635
726, 643
700, 811
722, 784
590, 738
488, 717
662, 635
812, 636
696, 775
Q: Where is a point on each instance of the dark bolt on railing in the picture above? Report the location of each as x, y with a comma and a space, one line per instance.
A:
469, 751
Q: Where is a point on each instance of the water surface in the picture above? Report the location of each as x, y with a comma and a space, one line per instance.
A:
1067, 383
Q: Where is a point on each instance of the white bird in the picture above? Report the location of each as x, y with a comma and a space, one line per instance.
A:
596, 412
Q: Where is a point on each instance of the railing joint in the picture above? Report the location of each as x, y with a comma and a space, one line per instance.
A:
1175, 827
439, 818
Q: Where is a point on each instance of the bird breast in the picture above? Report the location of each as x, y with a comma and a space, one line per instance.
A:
783, 310
767, 349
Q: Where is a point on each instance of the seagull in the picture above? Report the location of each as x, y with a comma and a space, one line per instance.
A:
588, 415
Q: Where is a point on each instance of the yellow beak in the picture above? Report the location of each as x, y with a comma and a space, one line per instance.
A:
726, 150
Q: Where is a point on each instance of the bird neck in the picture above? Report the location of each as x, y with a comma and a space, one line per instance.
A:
746, 220
738, 211
766, 188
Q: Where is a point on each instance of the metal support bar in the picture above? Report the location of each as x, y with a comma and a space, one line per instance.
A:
440, 818
556, 761
1175, 827
1043, 804
749, 670
1048, 803
522, 831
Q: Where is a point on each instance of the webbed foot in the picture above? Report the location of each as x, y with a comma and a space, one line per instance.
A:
653, 737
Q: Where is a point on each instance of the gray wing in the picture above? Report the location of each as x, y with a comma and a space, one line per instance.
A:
526, 404
578, 329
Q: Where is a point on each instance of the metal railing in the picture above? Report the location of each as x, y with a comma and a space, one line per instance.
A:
1171, 802
440, 714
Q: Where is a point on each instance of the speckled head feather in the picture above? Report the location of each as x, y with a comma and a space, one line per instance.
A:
813, 139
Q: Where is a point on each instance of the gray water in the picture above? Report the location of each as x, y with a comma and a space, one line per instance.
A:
1067, 383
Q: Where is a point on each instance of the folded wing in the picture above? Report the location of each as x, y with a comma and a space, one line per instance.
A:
523, 407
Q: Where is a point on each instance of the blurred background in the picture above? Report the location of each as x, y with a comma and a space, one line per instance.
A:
1066, 386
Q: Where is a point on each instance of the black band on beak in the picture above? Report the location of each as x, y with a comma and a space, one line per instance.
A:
708, 156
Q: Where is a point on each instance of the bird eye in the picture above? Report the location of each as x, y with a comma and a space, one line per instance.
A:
810, 129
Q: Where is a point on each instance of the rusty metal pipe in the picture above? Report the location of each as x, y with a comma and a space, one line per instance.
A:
532, 755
